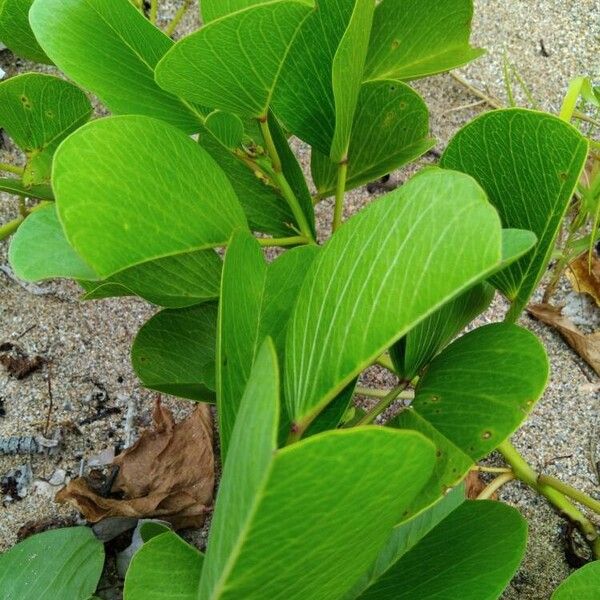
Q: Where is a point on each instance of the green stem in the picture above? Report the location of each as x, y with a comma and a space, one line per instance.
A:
11, 168
282, 182
153, 11
338, 211
10, 227
570, 491
526, 474
371, 393
383, 404
172, 26
288, 241
507, 81
495, 485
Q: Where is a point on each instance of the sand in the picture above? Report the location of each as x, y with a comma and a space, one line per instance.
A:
87, 344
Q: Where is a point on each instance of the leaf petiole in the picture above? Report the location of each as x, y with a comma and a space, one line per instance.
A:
172, 26
338, 211
297, 240
384, 403
11, 169
282, 182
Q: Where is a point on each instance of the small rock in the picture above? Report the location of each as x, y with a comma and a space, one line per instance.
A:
102, 458
58, 477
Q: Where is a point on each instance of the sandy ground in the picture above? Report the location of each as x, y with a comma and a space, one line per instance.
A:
87, 344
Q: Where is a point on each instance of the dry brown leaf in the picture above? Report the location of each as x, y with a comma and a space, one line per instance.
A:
474, 485
584, 279
167, 473
586, 345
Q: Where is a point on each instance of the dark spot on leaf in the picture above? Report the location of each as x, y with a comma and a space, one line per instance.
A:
487, 435
402, 105
395, 44
26, 102
563, 175
438, 453
50, 114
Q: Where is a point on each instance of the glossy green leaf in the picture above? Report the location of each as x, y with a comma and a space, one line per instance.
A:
153, 192
226, 127
304, 99
233, 63
38, 111
472, 554
348, 66
264, 206
256, 302
164, 568
171, 282
417, 38
286, 521
16, 187
111, 49
537, 162
383, 272
391, 128
472, 397
15, 31
406, 535
39, 249
61, 563
416, 349
583, 584
174, 352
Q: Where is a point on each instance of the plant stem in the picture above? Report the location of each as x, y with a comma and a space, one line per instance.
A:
370, 393
526, 474
153, 11
570, 491
488, 99
10, 227
11, 169
172, 26
495, 485
338, 211
288, 241
383, 404
282, 182
484, 469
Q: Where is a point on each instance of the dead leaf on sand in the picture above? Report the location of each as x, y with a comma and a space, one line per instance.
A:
474, 485
585, 277
586, 345
167, 473
18, 364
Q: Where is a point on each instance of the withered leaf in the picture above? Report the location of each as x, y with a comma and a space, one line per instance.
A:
585, 276
17, 362
167, 473
474, 485
586, 345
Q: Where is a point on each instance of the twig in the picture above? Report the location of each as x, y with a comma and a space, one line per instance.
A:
51, 401
487, 99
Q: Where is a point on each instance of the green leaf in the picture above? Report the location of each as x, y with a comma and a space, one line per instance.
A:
474, 395
416, 38
62, 563
15, 31
174, 352
529, 164
383, 272
416, 349
233, 63
111, 49
152, 193
171, 282
256, 302
226, 127
390, 129
472, 554
265, 208
348, 66
39, 249
16, 187
583, 584
38, 111
406, 535
164, 568
281, 515
304, 99
215, 9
